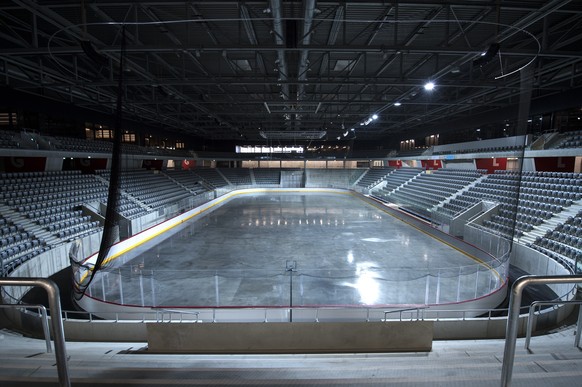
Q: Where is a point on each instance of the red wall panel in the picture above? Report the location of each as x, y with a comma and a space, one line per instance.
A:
188, 164
555, 164
431, 164
22, 164
492, 164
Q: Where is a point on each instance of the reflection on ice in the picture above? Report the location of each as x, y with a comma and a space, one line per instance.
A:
366, 283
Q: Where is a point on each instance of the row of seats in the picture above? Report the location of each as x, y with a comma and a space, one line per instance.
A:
237, 176
431, 188
266, 176
12, 260
52, 227
397, 178
16, 237
373, 176
84, 228
210, 176
187, 179
537, 203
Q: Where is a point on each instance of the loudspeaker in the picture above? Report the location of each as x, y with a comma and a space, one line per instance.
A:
92, 54
486, 58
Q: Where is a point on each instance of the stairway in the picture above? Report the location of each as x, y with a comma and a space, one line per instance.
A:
23, 222
550, 224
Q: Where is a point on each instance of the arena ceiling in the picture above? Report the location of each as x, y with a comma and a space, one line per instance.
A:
278, 69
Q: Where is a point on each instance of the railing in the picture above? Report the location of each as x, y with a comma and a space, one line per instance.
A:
538, 304
513, 316
43, 316
55, 307
161, 313
265, 315
401, 311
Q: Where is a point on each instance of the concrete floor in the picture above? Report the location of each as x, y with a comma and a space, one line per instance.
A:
300, 249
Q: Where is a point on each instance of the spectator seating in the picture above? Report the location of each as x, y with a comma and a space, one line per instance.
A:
430, 188
373, 176
237, 176
396, 179
153, 189
571, 140
564, 240
527, 199
267, 176
187, 179
9, 139
210, 176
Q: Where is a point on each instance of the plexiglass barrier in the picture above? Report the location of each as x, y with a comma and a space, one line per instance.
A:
496, 245
132, 285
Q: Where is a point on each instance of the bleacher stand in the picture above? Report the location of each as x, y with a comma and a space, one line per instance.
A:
565, 240
187, 179
527, 199
571, 140
430, 188
373, 176
237, 176
210, 176
9, 139
396, 179
154, 190
267, 176
51, 200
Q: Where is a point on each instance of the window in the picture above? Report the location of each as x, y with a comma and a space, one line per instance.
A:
5, 119
103, 134
180, 145
128, 137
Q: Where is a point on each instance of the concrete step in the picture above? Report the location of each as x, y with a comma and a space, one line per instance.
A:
552, 361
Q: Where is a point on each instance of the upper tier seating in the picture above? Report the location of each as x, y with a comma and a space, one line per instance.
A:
571, 140
8, 139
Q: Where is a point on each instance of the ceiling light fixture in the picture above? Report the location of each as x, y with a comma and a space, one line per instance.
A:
429, 86
397, 104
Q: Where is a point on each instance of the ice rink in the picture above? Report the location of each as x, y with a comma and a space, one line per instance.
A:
282, 249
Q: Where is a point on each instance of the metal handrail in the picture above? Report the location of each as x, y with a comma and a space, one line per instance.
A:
513, 316
170, 311
535, 304
43, 316
417, 309
56, 320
